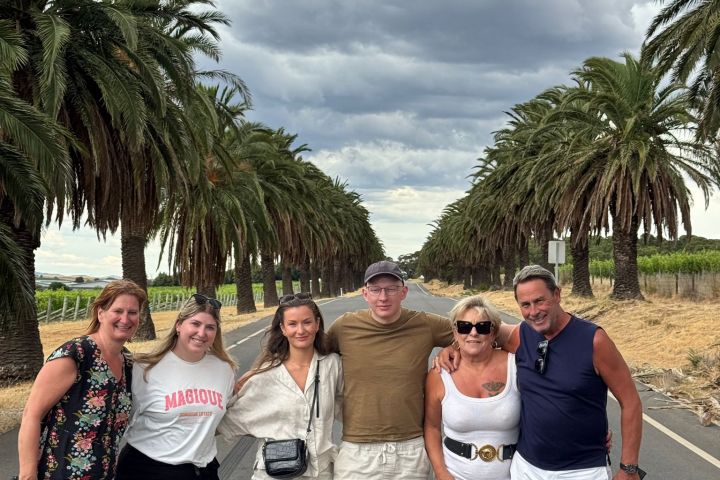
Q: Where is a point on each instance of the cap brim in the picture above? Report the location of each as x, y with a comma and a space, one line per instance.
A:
384, 273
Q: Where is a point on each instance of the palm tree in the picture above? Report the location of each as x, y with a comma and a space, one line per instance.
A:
202, 224
32, 149
687, 47
34, 169
632, 168
155, 152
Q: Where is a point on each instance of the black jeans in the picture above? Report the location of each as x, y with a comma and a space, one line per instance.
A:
133, 465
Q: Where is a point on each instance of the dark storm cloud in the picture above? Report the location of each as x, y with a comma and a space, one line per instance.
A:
524, 33
401, 97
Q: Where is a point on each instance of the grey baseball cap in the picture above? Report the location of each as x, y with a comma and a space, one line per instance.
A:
383, 267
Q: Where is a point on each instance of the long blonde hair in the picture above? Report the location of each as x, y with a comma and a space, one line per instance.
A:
190, 309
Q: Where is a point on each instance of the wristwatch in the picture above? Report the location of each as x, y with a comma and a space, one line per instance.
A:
629, 468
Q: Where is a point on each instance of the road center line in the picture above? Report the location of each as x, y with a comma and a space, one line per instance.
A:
262, 330
679, 439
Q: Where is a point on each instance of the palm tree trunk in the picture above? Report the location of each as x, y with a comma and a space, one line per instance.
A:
21, 355
495, 282
523, 251
326, 275
315, 280
627, 284
267, 265
581, 265
543, 239
467, 278
348, 281
480, 278
209, 290
287, 284
509, 267
305, 275
132, 248
243, 285
359, 276
337, 278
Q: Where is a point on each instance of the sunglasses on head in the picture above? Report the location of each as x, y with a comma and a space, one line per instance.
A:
541, 362
464, 327
201, 299
295, 296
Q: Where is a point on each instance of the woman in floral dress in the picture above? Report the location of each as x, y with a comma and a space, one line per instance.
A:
80, 403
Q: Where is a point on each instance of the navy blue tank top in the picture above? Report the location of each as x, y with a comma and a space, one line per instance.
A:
563, 421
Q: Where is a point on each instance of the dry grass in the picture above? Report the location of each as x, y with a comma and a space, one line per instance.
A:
671, 344
12, 399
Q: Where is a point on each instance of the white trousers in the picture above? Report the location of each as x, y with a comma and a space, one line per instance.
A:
521, 469
405, 460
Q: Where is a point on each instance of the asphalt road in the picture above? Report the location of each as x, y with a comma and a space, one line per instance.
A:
674, 447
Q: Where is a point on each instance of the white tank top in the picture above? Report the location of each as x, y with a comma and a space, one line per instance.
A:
481, 421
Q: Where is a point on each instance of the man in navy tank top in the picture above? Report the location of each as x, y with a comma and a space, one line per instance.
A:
565, 366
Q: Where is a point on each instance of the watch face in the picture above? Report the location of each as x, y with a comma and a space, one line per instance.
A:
629, 468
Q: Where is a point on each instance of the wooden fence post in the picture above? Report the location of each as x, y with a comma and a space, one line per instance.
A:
64, 308
77, 308
49, 310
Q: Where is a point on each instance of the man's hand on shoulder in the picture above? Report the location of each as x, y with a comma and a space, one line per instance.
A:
448, 359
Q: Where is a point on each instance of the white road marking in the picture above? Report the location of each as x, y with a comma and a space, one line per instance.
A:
679, 439
262, 330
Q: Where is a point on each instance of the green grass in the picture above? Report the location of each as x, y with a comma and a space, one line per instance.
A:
679, 262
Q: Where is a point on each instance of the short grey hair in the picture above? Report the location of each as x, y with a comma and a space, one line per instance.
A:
479, 303
535, 272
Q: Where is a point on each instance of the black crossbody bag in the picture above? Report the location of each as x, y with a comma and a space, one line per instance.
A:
288, 458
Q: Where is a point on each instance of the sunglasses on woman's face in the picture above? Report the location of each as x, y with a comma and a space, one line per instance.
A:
464, 327
201, 299
295, 296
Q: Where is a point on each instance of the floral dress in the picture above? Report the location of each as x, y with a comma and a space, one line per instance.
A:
81, 434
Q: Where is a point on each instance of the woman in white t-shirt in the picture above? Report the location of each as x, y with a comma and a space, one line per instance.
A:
180, 393
275, 397
478, 405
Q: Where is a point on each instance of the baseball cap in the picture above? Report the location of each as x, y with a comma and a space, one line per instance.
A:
383, 267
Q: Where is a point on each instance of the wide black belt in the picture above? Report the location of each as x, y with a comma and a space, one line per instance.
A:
486, 453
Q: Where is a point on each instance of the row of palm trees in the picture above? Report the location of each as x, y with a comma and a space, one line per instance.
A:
105, 118
612, 151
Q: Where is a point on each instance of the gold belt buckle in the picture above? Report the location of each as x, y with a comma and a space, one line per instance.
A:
486, 453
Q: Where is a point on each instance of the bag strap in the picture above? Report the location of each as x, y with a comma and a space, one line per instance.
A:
316, 400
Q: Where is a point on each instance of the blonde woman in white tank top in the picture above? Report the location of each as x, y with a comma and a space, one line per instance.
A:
477, 406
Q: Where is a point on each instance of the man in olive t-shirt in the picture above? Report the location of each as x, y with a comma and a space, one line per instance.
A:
385, 352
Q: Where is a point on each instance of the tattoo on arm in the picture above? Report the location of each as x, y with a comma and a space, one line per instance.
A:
493, 388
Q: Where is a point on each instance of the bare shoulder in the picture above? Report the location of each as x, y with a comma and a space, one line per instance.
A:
434, 384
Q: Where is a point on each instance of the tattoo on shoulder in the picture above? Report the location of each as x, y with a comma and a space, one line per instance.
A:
493, 388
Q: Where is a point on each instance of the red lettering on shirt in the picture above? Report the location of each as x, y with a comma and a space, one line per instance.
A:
192, 396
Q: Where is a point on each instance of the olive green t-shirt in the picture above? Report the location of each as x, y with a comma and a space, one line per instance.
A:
384, 367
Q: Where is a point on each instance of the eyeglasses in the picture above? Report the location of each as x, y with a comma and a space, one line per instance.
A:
464, 327
389, 291
201, 299
295, 296
541, 362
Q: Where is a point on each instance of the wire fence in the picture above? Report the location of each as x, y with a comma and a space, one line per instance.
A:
77, 307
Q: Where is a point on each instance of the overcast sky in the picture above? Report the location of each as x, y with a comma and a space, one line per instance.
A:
398, 98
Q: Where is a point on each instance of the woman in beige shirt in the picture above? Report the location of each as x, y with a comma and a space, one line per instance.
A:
275, 397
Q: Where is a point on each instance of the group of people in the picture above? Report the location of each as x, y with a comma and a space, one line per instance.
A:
507, 401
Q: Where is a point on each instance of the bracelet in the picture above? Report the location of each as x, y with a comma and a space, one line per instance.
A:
629, 468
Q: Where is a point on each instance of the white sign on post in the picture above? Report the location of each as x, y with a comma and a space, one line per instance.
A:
556, 255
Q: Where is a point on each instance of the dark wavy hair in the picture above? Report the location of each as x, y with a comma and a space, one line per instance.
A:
276, 347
